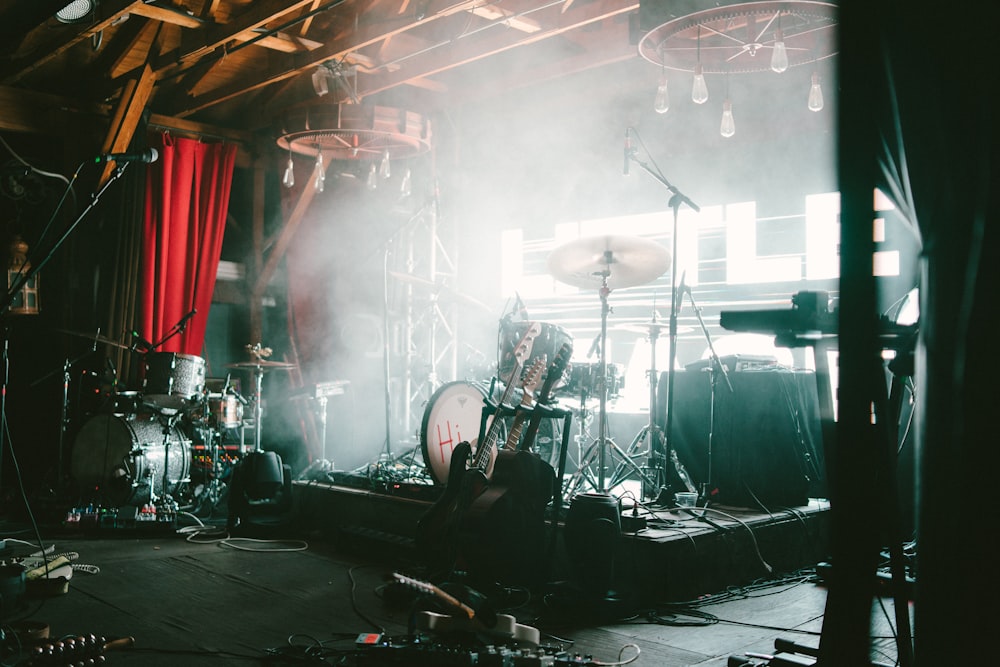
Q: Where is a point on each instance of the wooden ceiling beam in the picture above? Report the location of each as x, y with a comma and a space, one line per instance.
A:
291, 65
133, 102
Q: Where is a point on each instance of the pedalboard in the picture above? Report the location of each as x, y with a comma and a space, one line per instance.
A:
420, 651
147, 517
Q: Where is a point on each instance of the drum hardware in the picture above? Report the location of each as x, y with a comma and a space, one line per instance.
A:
259, 365
320, 393
608, 262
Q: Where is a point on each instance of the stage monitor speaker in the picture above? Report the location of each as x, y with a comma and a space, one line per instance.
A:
767, 447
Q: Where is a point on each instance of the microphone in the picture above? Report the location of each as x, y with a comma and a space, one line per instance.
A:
146, 155
138, 341
184, 320
628, 149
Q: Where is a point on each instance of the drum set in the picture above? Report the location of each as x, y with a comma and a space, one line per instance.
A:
455, 411
176, 441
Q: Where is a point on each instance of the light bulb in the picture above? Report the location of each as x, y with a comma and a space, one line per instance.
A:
699, 91
728, 126
384, 170
405, 187
319, 174
779, 55
815, 94
288, 180
662, 100
372, 181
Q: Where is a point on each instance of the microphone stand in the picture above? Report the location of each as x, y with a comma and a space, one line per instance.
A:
677, 198
31, 273
714, 369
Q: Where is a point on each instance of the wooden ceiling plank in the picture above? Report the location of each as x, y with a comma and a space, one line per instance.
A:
291, 65
261, 13
168, 14
281, 41
58, 43
137, 33
463, 52
133, 102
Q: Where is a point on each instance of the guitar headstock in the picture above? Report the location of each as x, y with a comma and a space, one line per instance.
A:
555, 371
522, 350
532, 378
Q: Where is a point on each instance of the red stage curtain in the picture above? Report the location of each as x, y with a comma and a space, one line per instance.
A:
187, 199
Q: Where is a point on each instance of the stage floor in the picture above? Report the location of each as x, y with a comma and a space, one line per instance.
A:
695, 586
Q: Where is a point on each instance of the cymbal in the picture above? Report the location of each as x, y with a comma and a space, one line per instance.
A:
94, 337
439, 289
651, 328
625, 260
262, 364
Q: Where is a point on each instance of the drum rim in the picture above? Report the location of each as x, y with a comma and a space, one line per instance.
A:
484, 392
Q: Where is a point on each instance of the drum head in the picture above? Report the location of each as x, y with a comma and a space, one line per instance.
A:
453, 414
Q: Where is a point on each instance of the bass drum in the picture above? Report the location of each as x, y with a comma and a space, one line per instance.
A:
453, 415
122, 460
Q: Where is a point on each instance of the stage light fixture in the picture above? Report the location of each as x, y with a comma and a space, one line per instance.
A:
371, 182
384, 168
406, 186
75, 12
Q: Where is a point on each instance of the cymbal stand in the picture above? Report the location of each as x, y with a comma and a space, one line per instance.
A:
258, 407
714, 369
651, 433
603, 443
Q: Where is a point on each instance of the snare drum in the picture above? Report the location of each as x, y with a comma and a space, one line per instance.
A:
225, 410
453, 414
173, 381
116, 456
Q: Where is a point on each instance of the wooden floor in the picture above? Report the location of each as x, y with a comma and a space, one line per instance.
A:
287, 585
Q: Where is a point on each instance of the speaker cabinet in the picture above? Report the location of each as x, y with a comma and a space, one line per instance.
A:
766, 444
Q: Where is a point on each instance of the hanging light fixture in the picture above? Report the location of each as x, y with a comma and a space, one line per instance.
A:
815, 94
25, 301
406, 186
288, 180
372, 181
728, 126
662, 101
319, 172
798, 32
384, 169
779, 54
699, 90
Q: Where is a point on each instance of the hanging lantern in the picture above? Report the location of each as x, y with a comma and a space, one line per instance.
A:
25, 301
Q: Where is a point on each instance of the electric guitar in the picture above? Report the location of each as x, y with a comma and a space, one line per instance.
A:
528, 385
469, 474
554, 373
465, 619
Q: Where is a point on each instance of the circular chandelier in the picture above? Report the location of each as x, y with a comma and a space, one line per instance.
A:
372, 134
354, 132
741, 38
744, 37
